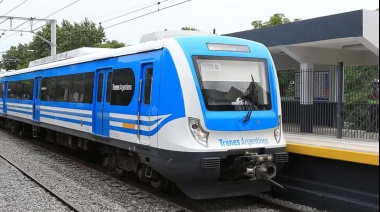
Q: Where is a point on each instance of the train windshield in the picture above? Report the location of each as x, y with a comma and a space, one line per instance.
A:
233, 84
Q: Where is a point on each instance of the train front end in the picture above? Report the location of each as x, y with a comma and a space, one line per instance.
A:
230, 142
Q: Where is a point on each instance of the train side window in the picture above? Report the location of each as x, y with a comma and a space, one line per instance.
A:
21, 90
12, 90
100, 86
88, 87
148, 85
123, 87
64, 88
1, 90
27, 89
48, 88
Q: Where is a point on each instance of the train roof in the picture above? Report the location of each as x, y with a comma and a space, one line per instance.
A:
150, 42
91, 56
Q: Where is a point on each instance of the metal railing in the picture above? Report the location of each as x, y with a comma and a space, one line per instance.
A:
337, 101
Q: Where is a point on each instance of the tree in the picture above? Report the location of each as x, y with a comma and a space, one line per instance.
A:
110, 44
17, 57
276, 19
69, 36
189, 29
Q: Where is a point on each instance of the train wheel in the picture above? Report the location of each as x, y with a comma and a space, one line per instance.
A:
158, 184
120, 172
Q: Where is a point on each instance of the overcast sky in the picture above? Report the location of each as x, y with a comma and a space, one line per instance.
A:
226, 16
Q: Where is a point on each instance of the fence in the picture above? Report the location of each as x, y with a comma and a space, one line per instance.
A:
338, 101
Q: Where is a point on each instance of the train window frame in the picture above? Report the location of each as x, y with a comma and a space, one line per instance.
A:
123, 87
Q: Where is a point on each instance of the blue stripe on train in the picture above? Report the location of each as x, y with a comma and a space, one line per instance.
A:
79, 114
19, 111
67, 120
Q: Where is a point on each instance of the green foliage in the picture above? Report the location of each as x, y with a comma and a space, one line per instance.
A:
69, 36
17, 57
110, 44
357, 86
189, 29
276, 19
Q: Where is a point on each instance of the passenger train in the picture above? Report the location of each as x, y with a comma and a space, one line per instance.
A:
200, 111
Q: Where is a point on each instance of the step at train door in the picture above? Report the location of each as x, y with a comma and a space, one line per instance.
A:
102, 102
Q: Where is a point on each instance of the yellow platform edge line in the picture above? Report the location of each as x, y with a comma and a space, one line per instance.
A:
336, 154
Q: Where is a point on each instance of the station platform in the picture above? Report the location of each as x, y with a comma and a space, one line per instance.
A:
346, 149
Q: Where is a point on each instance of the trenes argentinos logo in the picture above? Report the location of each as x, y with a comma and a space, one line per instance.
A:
121, 87
243, 141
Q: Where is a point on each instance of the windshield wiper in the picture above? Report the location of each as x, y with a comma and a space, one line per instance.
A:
251, 95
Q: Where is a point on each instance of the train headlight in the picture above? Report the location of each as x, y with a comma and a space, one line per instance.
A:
277, 131
198, 132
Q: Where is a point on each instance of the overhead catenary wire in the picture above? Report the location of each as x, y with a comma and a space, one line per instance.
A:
164, 8
146, 7
142, 5
15, 7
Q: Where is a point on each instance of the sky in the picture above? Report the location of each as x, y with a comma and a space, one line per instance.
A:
225, 16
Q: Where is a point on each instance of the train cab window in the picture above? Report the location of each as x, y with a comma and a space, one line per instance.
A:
123, 87
1, 90
148, 85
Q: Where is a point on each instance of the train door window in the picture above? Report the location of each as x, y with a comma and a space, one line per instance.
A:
109, 85
100, 86
123, 87
148, 85
1, 90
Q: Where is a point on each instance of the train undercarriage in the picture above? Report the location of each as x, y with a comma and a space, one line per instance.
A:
241, 166
121, 162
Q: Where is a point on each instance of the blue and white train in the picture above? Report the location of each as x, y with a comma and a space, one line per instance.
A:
200, 111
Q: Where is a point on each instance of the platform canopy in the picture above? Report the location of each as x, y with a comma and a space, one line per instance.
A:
351, 37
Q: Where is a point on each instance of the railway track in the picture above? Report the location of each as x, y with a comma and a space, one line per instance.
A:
45, 187
134, 188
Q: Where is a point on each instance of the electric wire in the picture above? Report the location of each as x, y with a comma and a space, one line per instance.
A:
142, 5
147, 14
15, 7
39, 21
158, 3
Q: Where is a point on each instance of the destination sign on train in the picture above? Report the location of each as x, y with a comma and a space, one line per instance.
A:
227, 47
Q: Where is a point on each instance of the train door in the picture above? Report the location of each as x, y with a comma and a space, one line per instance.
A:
5, 96
36, 102
144, 116
102, 102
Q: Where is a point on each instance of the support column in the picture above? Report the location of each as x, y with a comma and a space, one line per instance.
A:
53, 37
306, 97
